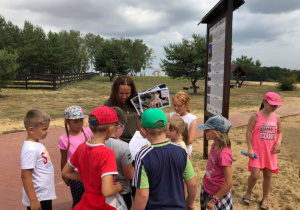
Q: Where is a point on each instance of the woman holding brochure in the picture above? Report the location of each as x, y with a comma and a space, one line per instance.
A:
122, 90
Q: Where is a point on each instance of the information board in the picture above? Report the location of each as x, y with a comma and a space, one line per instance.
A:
215, 72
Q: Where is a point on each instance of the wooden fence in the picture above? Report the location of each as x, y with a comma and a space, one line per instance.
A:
47, 81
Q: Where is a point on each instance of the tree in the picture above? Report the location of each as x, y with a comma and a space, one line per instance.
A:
8, 67
9, 35
112, 59
55, 61
252, 68
186, 59
32, 49
140, 56
91, 43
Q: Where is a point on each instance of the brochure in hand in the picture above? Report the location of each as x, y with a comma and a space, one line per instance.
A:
158, 94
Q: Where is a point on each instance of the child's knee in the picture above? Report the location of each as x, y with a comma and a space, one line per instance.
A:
254, 176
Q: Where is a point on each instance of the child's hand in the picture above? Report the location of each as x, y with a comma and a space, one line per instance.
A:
119, 186
35, 205
276, 148
210, 205
189, 207
251, 153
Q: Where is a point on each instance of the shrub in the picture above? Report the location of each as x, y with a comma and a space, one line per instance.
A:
287, 83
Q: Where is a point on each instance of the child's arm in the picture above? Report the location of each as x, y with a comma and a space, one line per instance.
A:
29, 189
68, 172
128, 171
250, 127
63, 162
108, 186
192, 191
141, 198
224, 189
192, 132
276, 148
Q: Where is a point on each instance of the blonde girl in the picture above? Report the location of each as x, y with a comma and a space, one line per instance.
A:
264, 139
217, 181
181, 103
68, 143
178, 132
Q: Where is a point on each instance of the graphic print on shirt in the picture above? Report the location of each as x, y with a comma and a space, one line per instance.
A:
210, 166
268, 130
47, 160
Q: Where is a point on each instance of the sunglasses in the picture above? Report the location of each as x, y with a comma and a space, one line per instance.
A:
122, 126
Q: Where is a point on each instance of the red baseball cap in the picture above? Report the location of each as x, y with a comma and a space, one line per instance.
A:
104, 115
272, 99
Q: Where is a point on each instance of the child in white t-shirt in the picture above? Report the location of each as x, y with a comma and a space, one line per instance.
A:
181, 103
37, 172
68, 143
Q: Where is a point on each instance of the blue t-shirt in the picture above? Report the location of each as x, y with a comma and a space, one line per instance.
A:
162, 168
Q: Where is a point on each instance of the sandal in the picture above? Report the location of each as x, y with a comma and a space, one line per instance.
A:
262, 206
246, 200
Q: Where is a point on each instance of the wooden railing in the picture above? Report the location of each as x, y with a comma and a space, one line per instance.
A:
47, 81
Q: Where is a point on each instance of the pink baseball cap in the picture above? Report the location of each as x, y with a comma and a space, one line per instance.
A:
104, 115
272, 99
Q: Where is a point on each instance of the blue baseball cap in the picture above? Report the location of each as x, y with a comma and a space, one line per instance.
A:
218, 123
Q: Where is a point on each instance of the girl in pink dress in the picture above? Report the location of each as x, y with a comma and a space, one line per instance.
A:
264, 139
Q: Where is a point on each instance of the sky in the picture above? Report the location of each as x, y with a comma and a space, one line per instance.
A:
265, 30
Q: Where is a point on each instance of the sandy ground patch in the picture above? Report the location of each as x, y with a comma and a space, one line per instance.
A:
285, 193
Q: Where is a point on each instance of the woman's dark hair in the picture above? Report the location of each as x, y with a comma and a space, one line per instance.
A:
121, 80
262, 105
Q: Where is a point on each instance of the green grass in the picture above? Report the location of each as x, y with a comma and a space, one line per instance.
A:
92, 93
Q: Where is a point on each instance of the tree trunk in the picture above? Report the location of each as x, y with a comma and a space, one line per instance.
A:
194, 81
111, 76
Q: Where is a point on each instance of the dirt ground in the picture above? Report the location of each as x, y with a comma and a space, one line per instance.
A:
285, 192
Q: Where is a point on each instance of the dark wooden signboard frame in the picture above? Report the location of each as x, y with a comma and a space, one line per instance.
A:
222, 10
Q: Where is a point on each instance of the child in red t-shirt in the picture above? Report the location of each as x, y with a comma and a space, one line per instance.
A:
96, 163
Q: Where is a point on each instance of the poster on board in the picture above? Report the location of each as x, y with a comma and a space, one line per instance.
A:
215, 74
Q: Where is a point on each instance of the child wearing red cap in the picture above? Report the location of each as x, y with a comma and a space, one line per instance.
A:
263, 139
96, 163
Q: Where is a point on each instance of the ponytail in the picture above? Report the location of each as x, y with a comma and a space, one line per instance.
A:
67, 132
262, 105
185, 134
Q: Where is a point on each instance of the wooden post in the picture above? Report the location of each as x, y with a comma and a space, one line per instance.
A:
54, 81
26, 82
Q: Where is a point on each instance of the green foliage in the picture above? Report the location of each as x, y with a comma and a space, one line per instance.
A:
8, 66
112, 59
251, 67
287, 83
68, 51
140, 56
92, 42
186, 59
